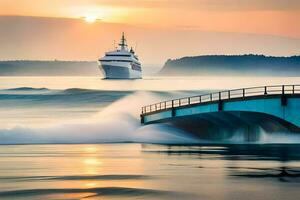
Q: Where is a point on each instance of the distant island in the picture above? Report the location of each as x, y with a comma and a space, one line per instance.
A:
209, 65
48, 68
242, 65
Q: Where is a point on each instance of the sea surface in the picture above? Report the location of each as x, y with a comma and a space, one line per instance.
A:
144, 171
81, 138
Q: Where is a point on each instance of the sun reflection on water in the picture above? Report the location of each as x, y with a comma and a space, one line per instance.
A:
92, 162
91, 149
91, 184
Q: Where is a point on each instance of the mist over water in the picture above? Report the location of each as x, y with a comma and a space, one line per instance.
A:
115, 118
42, 115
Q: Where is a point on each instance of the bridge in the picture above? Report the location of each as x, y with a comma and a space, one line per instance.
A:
274, 108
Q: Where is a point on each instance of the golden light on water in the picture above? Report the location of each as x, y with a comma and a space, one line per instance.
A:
91, 149
92, 165
92, 161
91, 184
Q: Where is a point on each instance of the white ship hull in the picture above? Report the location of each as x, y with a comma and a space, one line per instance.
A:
114, 70
121, 63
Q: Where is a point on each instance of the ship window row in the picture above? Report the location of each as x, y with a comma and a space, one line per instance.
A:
119, 55
120, 61
116, 60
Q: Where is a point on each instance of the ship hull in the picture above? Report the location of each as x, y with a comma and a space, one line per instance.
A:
118, 71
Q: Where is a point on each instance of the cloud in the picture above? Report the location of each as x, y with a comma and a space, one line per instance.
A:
73, 39
203, 4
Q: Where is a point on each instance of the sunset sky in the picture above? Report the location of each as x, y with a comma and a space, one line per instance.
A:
213, 26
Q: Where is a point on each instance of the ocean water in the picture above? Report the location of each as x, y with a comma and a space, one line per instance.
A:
144, 171
81, 138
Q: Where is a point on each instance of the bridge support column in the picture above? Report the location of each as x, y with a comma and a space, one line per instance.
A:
142, 119
173, 112
220, 106
284, 100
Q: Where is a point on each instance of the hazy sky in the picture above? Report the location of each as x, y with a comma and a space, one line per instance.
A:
215, 21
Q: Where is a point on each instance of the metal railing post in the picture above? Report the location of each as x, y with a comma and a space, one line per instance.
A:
219, 96
172, 103
243, 92
265, 93
283, 89
189, 100
293, 89
165, 105
228, 94
210, 96
200, 99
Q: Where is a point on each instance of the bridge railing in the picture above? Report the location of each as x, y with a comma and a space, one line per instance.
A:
222, 95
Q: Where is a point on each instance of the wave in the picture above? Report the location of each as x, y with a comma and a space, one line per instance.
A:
27, 89
118, 120
104, 191
32, 97
78, 177
28, 97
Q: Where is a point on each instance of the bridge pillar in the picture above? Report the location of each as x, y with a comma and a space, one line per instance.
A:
173, 112
220, 106
142, 119
284, 100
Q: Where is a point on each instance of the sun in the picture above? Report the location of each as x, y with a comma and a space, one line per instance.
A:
90, 19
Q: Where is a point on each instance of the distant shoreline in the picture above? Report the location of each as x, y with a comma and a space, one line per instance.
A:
48, 68
232, 65
209, 65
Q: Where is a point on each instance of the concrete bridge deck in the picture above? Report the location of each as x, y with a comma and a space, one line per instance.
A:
280, 103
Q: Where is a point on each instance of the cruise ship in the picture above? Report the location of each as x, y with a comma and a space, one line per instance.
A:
121, 63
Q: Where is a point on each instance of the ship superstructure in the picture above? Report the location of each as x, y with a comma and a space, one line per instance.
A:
121, 63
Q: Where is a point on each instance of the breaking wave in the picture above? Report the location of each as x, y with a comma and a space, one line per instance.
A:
96, 116
117, 121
